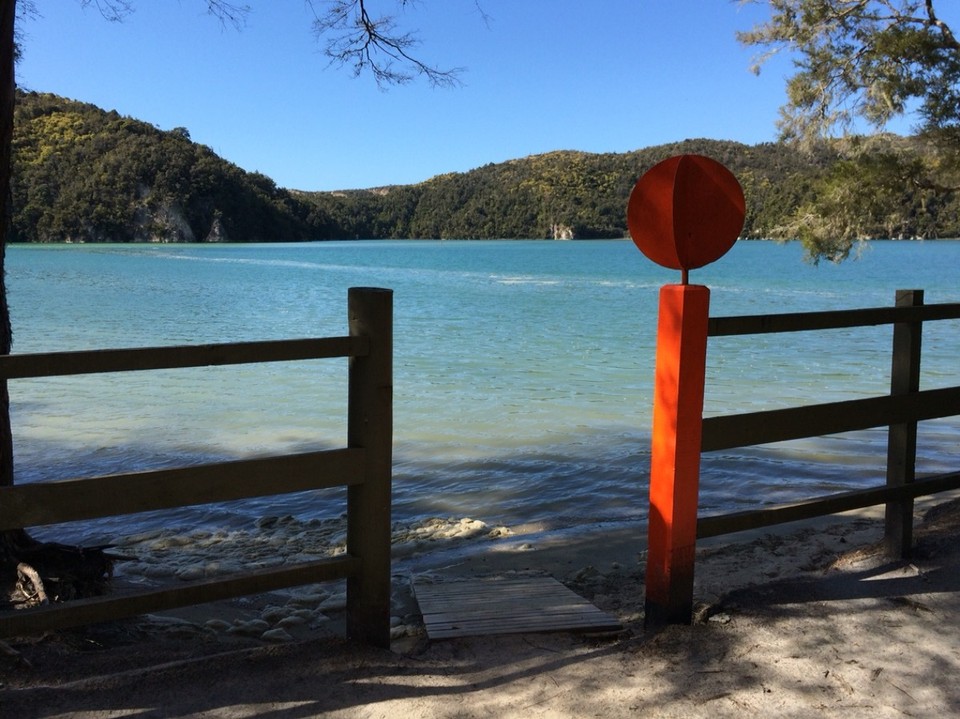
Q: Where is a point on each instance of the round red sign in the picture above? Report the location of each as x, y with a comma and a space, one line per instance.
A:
686, 212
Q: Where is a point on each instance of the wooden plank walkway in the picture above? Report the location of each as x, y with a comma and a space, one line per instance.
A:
488, 606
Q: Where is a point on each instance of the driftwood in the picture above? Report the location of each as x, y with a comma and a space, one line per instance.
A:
30, 585
38, 573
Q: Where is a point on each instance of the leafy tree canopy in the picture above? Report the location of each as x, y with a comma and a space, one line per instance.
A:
871, 61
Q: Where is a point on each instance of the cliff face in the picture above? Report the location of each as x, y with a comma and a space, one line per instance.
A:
166, 223
217, 232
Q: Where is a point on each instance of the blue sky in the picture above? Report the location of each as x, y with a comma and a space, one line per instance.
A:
540, 75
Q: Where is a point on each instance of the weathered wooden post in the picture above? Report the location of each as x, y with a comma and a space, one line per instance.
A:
902, 438
370, 427
684, 213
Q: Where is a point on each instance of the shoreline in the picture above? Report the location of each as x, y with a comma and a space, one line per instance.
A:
799, 619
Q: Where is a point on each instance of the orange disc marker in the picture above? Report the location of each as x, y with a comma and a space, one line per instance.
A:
686, 212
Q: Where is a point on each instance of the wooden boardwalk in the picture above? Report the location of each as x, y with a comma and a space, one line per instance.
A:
482, 607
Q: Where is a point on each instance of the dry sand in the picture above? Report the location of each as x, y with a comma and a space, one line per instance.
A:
807, 621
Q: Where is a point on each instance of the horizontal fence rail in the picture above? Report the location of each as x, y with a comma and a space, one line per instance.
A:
828, 320
363, 467
780, 425
59, 364
901, 410
40, 503
130, 604
822, 506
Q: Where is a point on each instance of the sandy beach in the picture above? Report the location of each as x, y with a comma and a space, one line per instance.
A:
807, 620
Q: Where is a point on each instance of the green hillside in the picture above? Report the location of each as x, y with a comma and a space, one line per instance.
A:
82, 174
563, 194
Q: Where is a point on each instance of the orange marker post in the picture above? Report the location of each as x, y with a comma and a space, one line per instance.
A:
684, 213
675, 459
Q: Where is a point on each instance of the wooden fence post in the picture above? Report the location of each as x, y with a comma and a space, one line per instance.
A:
675, 453
902, 438
370, 427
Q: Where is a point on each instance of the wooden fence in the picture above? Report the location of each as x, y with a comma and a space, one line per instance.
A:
363, 466
900, 411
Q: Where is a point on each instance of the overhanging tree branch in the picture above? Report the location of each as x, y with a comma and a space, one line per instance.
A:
868, 59
944, 29
229, 13
871, 61
353, 38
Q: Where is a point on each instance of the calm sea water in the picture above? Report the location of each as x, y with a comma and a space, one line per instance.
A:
522, 380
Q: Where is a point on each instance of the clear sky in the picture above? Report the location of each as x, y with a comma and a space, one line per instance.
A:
540, 75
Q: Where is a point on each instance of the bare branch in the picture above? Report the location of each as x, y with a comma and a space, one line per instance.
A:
112, 10
349, 35
352, 37
229, 13
948, 36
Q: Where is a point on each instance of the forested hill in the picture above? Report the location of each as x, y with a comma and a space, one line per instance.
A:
83, 174
563, 195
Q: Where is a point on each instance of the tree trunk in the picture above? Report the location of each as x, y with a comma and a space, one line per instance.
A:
31, 572
7, 94
11, 541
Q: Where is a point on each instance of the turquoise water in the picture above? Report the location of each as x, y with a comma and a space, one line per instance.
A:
522, 380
